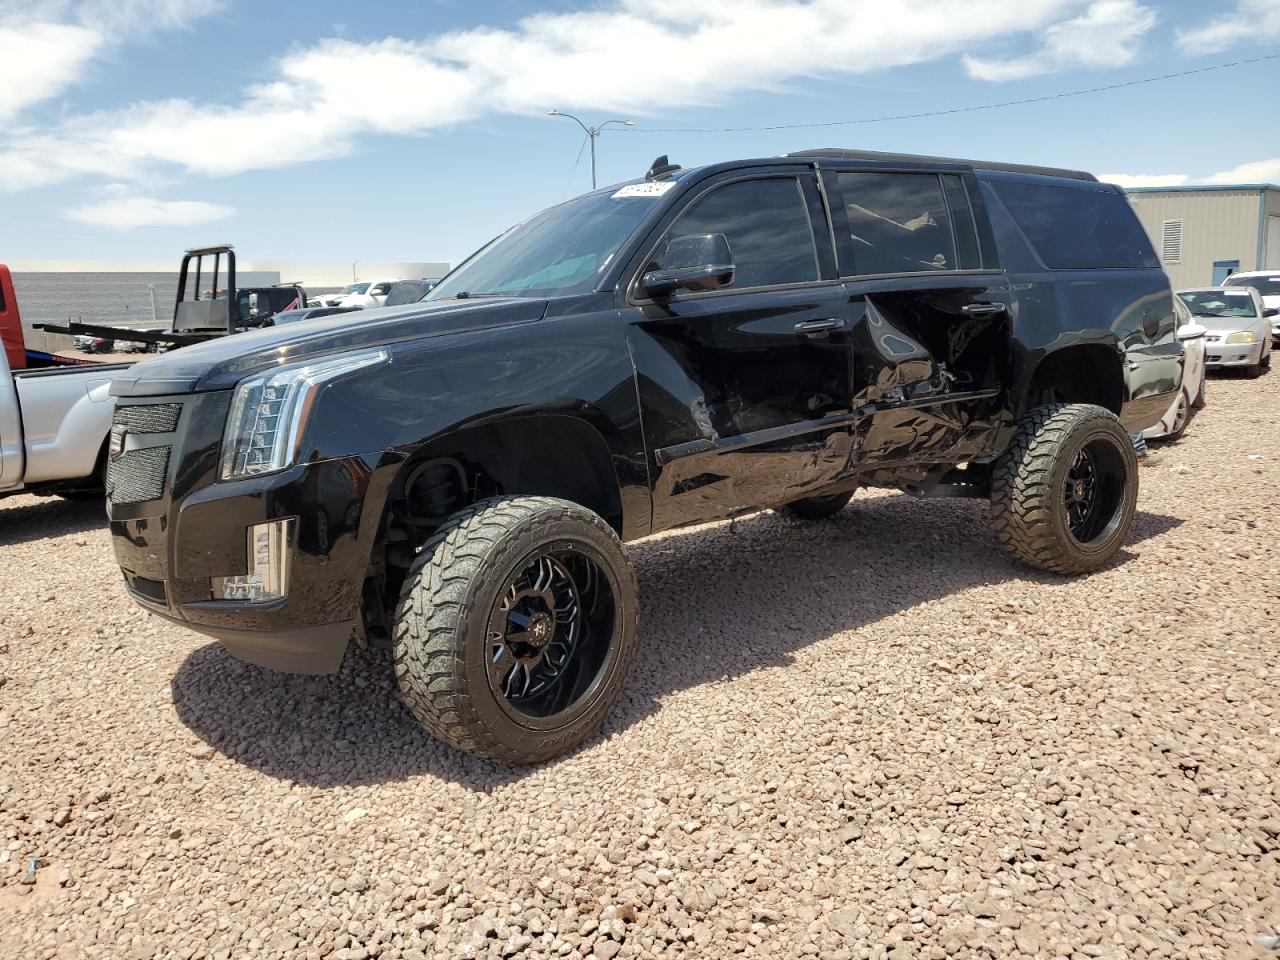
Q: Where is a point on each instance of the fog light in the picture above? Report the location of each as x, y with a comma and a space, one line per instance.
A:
268, 576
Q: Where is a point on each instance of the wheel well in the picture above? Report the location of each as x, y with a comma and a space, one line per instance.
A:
1090, 373
546, 455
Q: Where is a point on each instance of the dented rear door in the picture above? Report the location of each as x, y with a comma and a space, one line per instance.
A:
930, 315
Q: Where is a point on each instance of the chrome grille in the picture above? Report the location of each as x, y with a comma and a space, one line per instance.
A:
137, 476
148, 417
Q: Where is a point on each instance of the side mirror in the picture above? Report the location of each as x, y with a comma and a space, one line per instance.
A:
1271, 311
696, 263
1191, 331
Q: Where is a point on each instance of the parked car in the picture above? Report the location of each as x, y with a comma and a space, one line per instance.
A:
456, 478
1191, 397
53, 421
408, 291
368, 293
310, 313
1238, 325
1267, 283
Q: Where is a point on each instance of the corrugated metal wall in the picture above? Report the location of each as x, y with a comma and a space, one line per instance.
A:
1216, 225
110, 299
1271, 255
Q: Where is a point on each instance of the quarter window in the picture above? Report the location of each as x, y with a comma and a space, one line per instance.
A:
899, 223
767, 225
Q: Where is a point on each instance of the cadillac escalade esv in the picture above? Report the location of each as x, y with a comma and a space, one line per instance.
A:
456, 477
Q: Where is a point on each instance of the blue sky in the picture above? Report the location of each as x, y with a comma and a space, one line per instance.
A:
416, 131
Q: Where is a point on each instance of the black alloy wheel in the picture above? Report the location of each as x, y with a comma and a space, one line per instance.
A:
1093, 490
549, 634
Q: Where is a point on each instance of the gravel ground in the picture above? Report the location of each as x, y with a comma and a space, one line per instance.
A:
867, 737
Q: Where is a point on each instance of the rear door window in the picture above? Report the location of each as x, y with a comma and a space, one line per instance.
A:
1085, 227
905, 223
767, 225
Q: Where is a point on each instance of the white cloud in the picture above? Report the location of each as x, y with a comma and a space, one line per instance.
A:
633, 57
40, 60
1251, 22
46, 46
1256, 171
1145, 179
1259, 171
125, 213
1106, 35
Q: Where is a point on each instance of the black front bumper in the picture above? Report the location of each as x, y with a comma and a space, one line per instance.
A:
192, 527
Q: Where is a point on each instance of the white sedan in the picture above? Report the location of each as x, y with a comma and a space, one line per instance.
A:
1191, 397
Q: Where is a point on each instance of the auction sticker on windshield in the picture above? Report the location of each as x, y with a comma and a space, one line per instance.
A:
644, 189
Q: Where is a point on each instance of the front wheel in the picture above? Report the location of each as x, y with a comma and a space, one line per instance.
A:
1065, 491
515, 628
1181, 417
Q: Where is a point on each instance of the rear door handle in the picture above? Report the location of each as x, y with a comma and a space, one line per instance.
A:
818, 328
984, 309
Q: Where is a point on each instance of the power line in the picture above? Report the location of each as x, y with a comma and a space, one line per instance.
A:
954, 110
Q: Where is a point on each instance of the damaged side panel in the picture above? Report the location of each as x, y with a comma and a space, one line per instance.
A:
931, 363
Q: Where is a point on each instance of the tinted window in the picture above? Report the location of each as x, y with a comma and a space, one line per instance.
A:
379, 289
898, 223
1076, 228
767, 225
1266, 286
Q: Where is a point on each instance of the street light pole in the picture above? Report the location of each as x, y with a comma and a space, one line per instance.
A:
592, 133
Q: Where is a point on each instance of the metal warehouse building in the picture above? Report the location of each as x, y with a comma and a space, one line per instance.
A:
1205, 233
122, 293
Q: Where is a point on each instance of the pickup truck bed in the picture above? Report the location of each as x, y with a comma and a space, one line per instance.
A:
54, 424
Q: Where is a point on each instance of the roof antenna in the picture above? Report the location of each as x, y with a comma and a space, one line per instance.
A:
661, 169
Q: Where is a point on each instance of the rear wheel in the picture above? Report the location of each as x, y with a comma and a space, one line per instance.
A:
515, 628
1065, 491
818, 508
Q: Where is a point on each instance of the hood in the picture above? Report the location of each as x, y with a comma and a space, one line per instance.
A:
1226, 324
221, 363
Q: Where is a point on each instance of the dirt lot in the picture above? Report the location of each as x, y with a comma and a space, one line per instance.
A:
867, 737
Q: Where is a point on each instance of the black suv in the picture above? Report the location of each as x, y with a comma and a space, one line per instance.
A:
456, 477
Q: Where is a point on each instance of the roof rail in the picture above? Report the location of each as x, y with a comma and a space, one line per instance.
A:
837, 153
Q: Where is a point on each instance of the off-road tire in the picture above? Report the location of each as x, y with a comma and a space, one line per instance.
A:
817, 508
440, 645
1029, 481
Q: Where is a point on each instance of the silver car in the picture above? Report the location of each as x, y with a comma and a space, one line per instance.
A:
1239, 327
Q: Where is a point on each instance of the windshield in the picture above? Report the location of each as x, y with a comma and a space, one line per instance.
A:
404, 292
560, 251
1266, 286
1219, 303
356, 288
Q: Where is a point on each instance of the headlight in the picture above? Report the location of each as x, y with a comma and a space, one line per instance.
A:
269, 412
1242, 336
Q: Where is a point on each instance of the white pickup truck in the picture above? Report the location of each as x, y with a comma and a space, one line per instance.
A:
54, 425
54, 422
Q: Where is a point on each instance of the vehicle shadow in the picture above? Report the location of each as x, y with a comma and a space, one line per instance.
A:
49, 517
761, 589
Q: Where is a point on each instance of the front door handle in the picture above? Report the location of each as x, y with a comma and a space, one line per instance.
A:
984, 309
818, 328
